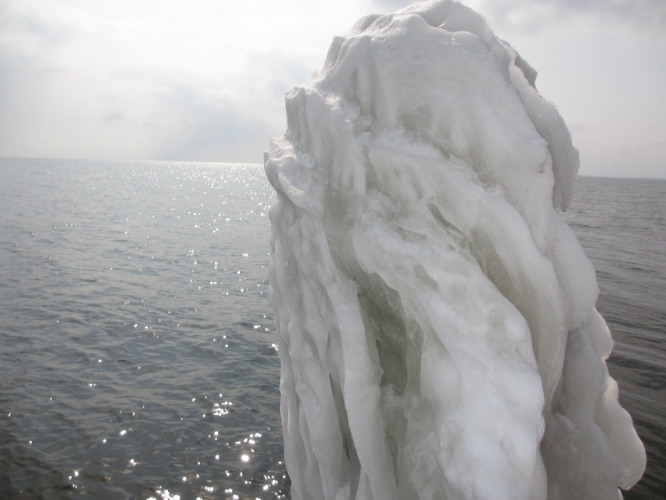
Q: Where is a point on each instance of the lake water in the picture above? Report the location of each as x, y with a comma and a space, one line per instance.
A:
137, 347
621, 225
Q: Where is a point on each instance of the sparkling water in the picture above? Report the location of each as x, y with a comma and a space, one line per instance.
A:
137, 349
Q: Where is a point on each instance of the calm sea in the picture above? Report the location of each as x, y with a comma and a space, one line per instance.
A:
137, 347
621, 225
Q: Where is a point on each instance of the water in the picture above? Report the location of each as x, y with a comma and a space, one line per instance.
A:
621, 225
137, 348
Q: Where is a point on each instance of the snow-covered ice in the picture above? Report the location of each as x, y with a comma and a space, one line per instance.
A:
435, 314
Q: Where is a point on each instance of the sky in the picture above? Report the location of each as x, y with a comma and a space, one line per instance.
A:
204, 80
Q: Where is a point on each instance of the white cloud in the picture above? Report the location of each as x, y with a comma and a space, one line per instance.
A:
535, 15
155, 79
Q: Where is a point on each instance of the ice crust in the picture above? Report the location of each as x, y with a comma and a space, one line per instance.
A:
435, 314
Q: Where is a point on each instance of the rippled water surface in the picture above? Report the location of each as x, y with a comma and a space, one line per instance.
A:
137, 348
621, 225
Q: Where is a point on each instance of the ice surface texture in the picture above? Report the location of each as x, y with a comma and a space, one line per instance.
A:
436, 318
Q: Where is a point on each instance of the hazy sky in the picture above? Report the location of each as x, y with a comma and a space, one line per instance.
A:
205, 79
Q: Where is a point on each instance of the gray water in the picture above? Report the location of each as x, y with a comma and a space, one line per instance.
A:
137, 347
621, 225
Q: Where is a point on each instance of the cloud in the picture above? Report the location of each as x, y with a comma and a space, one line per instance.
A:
651, 13
108, 80
208, 127
77, 84
534, 15
393, 5
233, 120
112, 117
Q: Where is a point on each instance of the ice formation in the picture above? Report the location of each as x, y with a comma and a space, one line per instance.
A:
435, 314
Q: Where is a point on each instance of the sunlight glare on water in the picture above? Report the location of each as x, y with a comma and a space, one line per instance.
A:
131, 362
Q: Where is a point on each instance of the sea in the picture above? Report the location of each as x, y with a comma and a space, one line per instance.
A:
138, 354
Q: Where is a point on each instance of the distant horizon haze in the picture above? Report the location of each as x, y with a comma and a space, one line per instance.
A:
260, 164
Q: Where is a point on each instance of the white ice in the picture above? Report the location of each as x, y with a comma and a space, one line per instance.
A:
435, 314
